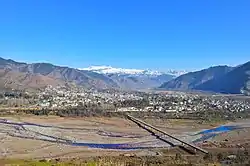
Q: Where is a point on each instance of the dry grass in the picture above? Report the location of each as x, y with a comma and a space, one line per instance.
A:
110, 161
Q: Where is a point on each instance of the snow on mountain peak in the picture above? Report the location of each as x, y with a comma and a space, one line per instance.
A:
177, 72
112, 70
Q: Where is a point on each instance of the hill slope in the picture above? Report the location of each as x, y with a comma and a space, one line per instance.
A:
65, 74
234, 82
25, 81
136, 82
193, 79
122, 78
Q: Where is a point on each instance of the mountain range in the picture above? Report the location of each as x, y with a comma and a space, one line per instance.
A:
122, 71
18, 75
22, 75
220, 79
193, 79
135, 79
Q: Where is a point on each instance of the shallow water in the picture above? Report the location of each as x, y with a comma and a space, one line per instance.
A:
35, 131
211, 133
26, 130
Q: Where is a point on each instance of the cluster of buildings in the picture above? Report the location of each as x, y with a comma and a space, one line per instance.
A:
179, 102
58, 97
192, 103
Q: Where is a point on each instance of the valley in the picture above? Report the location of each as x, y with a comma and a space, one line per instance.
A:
124, 83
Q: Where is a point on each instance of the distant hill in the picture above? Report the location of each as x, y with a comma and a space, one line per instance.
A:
139, 81
194, 79
49, 74
219, 79
25, 81
135, 79
55, 74
234, 82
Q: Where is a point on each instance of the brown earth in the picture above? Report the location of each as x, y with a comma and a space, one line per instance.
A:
25, 81
86, 129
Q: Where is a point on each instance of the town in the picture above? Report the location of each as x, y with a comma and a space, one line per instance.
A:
120, 101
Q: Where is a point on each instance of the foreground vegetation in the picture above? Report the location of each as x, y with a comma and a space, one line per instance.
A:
203, 116
240, 158
108, 161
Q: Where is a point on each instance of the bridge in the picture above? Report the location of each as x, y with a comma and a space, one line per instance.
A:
150, 127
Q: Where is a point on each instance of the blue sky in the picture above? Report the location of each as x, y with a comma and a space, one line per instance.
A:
160, 34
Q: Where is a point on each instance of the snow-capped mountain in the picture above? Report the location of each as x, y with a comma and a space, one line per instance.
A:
176, 72
135, 78
112, 70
